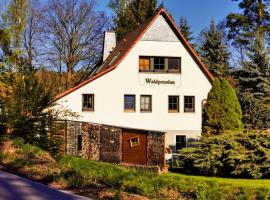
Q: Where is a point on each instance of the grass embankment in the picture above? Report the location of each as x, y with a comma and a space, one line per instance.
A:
80, 174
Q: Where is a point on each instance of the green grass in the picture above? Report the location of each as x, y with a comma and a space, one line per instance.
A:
249, 183
82, 173
78, 173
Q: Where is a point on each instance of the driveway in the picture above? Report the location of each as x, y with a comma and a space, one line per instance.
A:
13, 187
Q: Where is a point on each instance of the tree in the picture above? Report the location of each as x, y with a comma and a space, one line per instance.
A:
186, 30
214, 52
13, 24
32, 33
255, 17
25, 104
130, 14
222, 111
254, 85
72, 35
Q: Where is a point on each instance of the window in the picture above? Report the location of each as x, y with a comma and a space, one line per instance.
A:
133, 142
189, 104
79, 142
129, 103
146, 103
144, 63
180, 142
173, 102
174, 64
159, 63
88, 102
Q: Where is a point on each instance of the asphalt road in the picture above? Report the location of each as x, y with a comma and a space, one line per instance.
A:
13, 187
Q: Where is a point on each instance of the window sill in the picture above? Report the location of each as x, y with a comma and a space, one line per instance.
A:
146, 111
87, 110
159, 72
129, 111
173, 111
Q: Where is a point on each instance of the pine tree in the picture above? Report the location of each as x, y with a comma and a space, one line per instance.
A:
130, 14
222, 111
185, 29
214, 52
254, 85
242, 26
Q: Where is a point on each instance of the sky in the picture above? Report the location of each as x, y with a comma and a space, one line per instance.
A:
197, 12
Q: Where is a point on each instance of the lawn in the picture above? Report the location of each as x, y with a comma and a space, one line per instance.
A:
81, 173
249, 183
85, 175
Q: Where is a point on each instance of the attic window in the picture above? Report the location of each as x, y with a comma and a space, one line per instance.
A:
159, 64
144, 63
133, 142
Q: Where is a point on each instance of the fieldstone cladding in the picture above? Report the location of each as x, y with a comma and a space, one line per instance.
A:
104, 143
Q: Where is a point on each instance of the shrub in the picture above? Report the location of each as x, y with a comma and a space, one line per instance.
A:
222, 111
232, 155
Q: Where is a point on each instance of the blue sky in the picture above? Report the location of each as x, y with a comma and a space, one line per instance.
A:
197, 12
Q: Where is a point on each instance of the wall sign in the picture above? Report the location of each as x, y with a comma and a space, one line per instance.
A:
159, 82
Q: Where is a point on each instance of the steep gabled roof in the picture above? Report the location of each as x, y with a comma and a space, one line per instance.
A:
124, 46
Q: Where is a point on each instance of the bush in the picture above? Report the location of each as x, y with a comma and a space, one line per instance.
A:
231, 155
222, 111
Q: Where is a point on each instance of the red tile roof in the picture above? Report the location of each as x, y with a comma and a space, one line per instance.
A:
124, 46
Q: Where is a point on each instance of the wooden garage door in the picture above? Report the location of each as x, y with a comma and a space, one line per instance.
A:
133, 152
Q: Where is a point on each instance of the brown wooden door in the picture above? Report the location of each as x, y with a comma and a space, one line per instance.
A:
132, 152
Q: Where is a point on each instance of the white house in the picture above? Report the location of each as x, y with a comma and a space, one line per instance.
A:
150, 80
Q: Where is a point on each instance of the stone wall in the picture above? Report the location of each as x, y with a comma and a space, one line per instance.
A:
104, 143
155, 148
73, 129
90, 141
111, 144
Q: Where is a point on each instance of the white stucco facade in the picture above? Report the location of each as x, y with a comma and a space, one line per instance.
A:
110, 88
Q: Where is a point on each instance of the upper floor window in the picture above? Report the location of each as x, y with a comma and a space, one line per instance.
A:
160, 64
189, 104
174, 64
88, 102
144, 63
146, 103
129, 103
173, 102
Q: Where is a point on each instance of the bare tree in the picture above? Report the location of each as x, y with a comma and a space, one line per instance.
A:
32, 33
72, 35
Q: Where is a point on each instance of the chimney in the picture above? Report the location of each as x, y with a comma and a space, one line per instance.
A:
108, 44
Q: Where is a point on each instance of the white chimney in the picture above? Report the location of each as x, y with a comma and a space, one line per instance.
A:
109, 43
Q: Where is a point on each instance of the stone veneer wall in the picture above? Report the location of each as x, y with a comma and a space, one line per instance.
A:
73, 129
155, 148
90, 141
104, 143
111, 144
